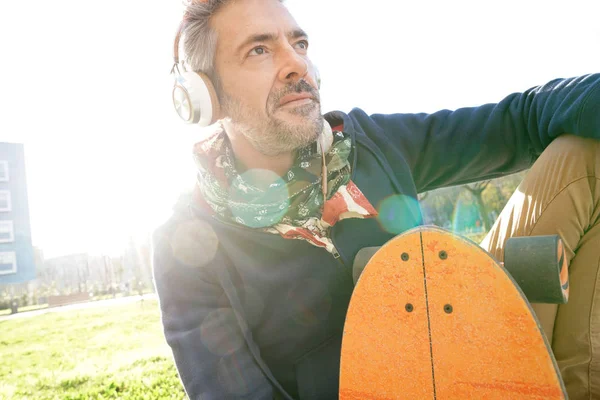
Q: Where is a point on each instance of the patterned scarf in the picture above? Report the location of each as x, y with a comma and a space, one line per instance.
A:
291, 206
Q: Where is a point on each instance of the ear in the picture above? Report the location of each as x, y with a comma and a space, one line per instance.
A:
222, 114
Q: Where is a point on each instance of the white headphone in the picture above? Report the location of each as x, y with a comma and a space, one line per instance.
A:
194, 95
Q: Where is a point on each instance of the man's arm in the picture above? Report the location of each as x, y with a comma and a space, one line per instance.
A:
200, 325
469, 144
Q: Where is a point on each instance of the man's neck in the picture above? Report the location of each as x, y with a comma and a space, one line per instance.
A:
249, 159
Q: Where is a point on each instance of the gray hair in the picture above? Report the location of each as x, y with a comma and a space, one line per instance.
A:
199, 38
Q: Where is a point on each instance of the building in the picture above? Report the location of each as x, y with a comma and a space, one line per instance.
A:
17, 263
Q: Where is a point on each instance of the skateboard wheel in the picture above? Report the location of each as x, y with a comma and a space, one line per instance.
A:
539, 266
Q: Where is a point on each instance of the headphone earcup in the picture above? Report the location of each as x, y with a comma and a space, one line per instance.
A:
195, 98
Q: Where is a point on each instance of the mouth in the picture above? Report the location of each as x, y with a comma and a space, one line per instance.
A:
296, 100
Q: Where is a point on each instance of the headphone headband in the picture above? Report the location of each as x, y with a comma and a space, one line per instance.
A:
177, 39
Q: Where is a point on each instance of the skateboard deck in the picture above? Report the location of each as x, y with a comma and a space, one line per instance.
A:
434, 316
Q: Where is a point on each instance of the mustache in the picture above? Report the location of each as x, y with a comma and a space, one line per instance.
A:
302, 86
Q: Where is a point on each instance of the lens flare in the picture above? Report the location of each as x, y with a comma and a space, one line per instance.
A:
465, 217
252, 303
399, 213
310, 302
194, 243
239, 374
259, 208
220, 332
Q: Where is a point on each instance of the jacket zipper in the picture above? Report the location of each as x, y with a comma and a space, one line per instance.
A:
336, 254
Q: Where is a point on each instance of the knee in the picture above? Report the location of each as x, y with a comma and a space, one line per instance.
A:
577, 152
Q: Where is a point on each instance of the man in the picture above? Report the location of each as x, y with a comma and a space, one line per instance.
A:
254, 271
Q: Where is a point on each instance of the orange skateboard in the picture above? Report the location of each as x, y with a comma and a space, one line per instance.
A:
434, 316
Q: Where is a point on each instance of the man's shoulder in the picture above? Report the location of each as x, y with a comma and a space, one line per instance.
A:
359, 124
337, 118
180, 212
185, 238
354, 122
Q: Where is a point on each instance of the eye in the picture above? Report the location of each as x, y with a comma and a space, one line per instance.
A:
302, 45
257, 51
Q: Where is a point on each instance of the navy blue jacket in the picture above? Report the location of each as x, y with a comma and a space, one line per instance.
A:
251, 315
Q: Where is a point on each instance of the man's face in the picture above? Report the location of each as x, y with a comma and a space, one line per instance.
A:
267, 82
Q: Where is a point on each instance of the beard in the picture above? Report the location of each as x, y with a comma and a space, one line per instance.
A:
273, 135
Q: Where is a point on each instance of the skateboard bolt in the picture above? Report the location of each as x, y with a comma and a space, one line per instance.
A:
409, 307
404, 256
443, 255
448, 309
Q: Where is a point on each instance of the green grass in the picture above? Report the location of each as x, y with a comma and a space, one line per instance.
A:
116, 352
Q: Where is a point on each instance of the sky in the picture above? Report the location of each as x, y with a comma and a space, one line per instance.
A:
86, 87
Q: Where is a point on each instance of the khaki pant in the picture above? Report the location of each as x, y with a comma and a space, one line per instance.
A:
561, 195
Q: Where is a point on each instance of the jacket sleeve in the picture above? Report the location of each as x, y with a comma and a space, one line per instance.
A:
469, 144
199, 323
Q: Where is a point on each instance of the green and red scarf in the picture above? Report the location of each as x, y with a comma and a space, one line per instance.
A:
293, 205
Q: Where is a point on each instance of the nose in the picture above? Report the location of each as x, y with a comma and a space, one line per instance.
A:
293, 66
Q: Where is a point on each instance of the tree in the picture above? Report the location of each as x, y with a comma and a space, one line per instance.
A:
438, 205
476, 189
458, 209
